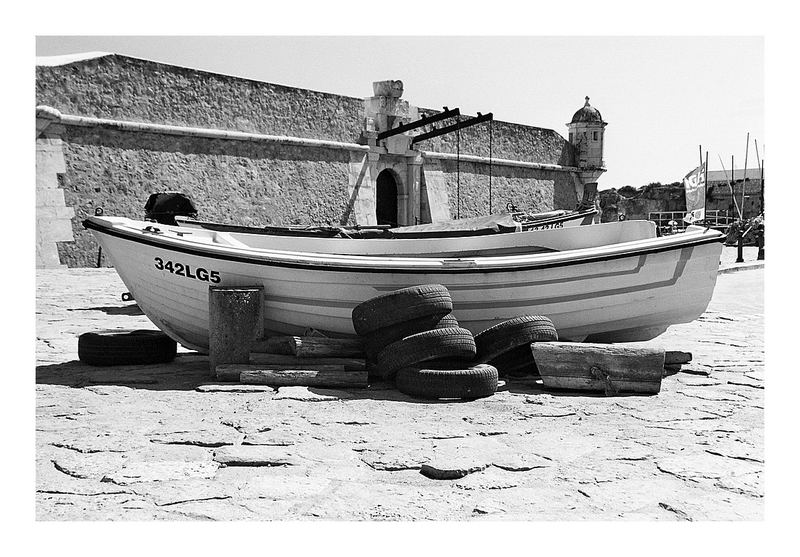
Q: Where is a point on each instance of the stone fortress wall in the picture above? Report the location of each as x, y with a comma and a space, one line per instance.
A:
250, 152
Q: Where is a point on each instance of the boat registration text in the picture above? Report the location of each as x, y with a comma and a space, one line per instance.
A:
186, 271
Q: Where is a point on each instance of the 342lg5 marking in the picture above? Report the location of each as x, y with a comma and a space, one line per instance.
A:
186, 271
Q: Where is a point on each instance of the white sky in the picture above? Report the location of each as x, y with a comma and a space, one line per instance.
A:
662, 96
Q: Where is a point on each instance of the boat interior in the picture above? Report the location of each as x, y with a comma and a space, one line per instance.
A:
526, 242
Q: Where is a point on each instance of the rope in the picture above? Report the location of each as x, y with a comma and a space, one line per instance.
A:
490, 166
458, 168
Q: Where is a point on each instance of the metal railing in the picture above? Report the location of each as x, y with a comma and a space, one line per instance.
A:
670, 222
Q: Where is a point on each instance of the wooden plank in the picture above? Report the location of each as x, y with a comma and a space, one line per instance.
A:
311, 347
260, 375
230, 372
275, 345
320, 347
608, 368
300, 363
235, 322
595, 385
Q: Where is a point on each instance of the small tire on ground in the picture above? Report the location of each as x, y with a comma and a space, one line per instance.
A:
400, 306
125, 347
512, 333
379, 339
452, 342
517, 362
465, 382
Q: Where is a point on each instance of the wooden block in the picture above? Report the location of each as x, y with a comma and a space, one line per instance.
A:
235, 321
674, 357
311, 347
260, 375
321, 347
607, 368
275, 345
671, 369
300, 363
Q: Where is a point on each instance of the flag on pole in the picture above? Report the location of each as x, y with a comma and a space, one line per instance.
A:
694, 184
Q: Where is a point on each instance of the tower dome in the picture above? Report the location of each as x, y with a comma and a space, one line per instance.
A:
587, 113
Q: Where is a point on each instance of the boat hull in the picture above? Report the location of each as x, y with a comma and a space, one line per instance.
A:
632, 293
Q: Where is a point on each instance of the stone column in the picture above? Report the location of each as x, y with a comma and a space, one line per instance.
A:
361, 187
437, 199
414, 190
53, 217
382, 112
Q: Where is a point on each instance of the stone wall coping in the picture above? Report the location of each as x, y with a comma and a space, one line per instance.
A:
49, 113
499, 162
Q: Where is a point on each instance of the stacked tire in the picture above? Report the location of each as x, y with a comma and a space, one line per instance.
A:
411, 337
507, 345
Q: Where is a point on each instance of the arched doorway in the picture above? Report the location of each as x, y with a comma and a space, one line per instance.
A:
386, 198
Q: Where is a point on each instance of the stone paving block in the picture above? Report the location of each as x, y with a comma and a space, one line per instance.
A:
392, 459
88, 466
217, 437
136, 472
269, 438
704, 466
255, 455
746, 484
282, 487
52, 481
519, 462
306, 394
93, 442
165, 493
210, 509
489, 478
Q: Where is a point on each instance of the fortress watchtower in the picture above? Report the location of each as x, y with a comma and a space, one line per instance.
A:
586, 132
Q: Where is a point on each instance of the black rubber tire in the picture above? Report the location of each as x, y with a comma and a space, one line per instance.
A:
377, 340
125, 347
517, 362
512, 333
452, 342
400, 306
467, 382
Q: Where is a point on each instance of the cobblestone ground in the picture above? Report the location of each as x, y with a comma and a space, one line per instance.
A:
165, 442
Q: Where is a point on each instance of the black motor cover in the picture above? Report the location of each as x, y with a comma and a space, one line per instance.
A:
164, 206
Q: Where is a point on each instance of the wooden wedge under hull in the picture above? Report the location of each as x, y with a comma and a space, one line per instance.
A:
625, 291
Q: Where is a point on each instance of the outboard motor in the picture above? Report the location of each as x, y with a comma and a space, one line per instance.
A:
163, 207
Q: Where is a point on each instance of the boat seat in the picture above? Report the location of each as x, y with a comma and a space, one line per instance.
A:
226, 239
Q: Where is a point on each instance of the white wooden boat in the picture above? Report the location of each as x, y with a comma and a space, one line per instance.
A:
499, 234
607, 282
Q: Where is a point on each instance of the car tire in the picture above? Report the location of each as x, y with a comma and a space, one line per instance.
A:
426, 300
125, 347
512, 333
452, 342
468, 382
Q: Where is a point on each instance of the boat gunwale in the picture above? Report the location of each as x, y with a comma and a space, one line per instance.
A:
445, 265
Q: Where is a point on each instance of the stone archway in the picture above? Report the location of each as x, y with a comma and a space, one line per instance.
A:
386, 197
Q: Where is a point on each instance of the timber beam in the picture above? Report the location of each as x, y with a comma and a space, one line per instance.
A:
448, 113
454, 127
